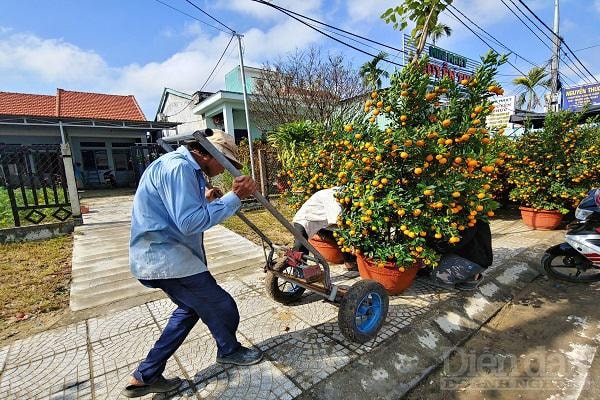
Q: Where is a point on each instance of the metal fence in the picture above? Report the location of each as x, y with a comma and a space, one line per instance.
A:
142, 155
266, 165
33, 184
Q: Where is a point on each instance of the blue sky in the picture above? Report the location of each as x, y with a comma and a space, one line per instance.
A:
140, 46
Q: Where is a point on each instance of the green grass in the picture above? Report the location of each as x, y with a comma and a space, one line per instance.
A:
266, 222
6, 216
35, 278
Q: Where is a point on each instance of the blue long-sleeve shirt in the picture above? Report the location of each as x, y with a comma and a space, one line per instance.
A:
170, 214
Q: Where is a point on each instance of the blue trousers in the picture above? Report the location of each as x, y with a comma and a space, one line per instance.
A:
197, 297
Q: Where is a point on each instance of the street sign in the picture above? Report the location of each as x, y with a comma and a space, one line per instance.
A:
504, 107
577, 97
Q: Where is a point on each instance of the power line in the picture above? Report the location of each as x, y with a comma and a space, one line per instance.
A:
525, 23
327, 25
589, 47
579, 72
289, 14
558, 37
218, 62
207, 79
189, 15
493, 38
480, 38
210, 16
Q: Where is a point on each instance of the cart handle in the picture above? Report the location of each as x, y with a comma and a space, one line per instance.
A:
221, 159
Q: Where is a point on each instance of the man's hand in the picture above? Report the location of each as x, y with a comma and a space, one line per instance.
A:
244, 186
213, 194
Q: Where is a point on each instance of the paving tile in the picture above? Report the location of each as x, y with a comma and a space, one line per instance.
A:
253, 303
121, 322
59, 375
3, 354
117, 351
234, 286
46, 344
389, 329
198, 358
271, 328
161, 310
262, 382
255, 280
309, 357
312, 309
110, 385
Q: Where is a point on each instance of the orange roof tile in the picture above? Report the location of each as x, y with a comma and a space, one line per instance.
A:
70, 104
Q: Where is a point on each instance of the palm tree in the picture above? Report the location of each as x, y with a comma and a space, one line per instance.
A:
438, 31
371, 74
535, 78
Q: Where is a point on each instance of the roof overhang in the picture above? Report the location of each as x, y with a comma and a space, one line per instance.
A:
219, 99
522, 117
145, 126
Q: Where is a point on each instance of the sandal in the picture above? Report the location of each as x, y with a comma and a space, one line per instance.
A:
161, 385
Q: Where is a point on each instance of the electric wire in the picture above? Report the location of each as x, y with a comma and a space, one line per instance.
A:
493, 38
207, 79
579, 72
326, 34
210, 16
558, 37
191, 16
482, 39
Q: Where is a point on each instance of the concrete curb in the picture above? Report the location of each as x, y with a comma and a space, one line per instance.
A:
397, 366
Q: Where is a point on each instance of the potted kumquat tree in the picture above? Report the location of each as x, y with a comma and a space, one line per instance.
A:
417, 167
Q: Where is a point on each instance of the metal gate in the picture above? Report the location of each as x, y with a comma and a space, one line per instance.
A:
33, 180
142, 155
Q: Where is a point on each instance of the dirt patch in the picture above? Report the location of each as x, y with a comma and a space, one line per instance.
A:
523, 346
34, 293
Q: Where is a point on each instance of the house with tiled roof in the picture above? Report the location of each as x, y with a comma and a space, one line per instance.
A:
100, 128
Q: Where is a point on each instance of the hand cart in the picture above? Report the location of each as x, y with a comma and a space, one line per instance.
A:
362, 306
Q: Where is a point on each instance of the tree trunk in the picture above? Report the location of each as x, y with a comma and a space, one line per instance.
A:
424, 34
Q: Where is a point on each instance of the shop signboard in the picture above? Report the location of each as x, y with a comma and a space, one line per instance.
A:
577, 97
504, 107
442, 62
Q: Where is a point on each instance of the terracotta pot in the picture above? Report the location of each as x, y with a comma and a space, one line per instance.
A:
84, 209
544, 220
330, 251
394, 281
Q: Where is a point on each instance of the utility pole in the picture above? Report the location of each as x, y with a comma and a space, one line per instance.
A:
552, 105
250, 146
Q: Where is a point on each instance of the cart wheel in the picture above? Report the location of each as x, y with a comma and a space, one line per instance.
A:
283, 291
363, 310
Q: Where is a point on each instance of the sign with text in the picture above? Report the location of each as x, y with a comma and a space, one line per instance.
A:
577, 97
504, 107
442, 62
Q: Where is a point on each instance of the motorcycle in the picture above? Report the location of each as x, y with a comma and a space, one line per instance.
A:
110, 179
578, 259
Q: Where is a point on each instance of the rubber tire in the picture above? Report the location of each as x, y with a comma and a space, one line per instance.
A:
547, 264
349, 304
272, 286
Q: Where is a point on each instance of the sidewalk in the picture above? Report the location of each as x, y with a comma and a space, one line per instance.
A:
306, 355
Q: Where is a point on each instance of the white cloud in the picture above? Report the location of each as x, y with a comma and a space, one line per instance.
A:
597, 5
28, 61
368, 10
49, 60
265, 12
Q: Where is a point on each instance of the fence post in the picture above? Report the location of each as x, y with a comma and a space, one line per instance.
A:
65, 149
262, 168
